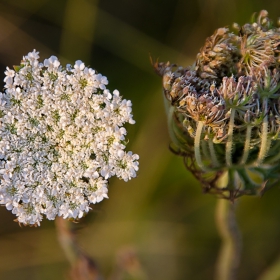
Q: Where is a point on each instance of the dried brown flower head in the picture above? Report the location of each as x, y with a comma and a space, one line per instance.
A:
225, 110
219, 56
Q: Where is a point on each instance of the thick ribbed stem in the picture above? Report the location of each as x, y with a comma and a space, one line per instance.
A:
229, 256
229, 143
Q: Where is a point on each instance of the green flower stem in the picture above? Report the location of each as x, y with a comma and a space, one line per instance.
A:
265, 142
205, 149
229, 256
170, 122
246, 145
197, 142
213, 153
276, 157
229, 143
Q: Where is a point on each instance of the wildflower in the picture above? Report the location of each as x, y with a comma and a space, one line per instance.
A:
225, 109
62, 138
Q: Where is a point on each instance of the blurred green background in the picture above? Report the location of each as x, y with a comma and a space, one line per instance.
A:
162, 213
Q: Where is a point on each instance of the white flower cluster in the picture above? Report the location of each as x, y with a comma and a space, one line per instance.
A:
61, 138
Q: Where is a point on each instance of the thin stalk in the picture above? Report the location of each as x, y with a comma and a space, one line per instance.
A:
170, 111
229, 143
229, 256
265, 142
231, 183
246, 145
274, 150
197, 142
205, 149
213, 153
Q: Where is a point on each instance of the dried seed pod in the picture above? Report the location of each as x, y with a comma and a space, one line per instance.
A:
226, 110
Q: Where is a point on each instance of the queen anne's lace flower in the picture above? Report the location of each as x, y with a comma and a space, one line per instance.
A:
62, 138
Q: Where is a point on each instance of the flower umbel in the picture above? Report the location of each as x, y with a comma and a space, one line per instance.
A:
224, 110
62, 138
